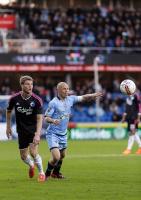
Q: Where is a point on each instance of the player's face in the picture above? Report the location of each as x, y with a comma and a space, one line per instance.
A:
63, 91
27, 87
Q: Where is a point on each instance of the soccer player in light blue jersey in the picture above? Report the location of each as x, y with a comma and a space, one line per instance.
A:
57, 115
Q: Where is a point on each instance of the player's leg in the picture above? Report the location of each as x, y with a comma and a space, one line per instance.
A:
55, 157
138, 140
53, 143
23, 147
132, 131
27, 159
62, 147
37, 161
56, 171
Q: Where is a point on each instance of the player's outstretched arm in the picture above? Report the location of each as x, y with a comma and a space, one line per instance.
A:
91, 97
8, 123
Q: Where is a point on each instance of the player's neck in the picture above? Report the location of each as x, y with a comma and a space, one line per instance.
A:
60, 98
25, 95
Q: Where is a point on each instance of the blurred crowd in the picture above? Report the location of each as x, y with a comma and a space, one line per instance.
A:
98, 26
94, 27
110, 108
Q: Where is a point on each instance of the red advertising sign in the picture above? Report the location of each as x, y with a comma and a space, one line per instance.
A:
7, 21
66, 68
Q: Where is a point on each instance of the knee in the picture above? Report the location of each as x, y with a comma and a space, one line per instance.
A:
33, 154
56, 158
23, 156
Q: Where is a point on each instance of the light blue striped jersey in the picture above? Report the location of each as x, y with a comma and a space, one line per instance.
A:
61, 110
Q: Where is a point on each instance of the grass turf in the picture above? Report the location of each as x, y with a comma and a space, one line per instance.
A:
94, 170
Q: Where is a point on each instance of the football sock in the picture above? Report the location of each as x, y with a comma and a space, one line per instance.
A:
137, 139
49, 169
130, 142
29, 161
57, 167
38, 162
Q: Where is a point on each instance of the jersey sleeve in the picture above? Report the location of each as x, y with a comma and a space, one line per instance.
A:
74, 99
50, 110
39, 107
11, 104
137, 103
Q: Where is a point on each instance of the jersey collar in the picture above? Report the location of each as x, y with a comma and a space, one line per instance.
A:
25, 98
60, 98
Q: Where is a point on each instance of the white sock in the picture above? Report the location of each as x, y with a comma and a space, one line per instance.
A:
130, 142
38, 162
138, 140
29, 161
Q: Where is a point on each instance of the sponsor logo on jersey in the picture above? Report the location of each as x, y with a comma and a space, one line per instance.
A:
27, 111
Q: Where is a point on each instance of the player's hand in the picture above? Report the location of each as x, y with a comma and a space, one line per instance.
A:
56, 121
36, 139
97, 95
9, 132
137, 121
122, 121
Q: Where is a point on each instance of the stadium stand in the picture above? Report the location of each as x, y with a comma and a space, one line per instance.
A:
78, 27
97, 26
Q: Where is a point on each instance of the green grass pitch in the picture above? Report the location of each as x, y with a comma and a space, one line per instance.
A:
94, 170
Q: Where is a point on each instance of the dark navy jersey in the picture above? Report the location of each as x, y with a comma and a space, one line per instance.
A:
26, 111
132, 107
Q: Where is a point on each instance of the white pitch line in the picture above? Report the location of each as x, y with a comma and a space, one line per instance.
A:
101, 155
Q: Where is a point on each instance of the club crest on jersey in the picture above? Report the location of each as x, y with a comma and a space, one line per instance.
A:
32, 104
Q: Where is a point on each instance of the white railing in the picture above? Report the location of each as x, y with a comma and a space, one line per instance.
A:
25, 45
43, 46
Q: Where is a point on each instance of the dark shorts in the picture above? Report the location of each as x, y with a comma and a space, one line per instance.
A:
24, 140
132, 125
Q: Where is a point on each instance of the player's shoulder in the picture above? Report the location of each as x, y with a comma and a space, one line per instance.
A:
71, 97
135, 97
54, 101
37, 98
15, 95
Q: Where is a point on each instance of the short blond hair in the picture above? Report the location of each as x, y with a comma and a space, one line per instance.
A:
25, 78
60, 84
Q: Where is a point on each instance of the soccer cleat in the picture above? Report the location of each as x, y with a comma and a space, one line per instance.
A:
31, 171
57, 175
127, 152
138, 151
41, 177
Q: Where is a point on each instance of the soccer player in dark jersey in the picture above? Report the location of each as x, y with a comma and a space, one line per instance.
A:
28, 113
132, 115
